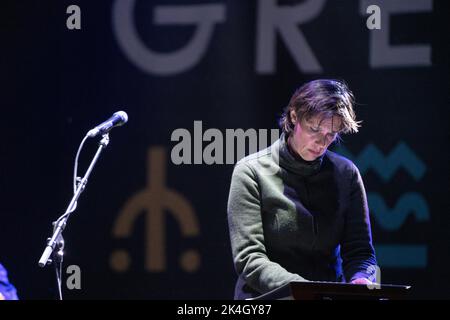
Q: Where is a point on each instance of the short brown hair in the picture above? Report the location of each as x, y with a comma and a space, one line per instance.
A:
322, 97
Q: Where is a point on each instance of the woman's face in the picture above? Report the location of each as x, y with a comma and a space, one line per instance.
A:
312, 137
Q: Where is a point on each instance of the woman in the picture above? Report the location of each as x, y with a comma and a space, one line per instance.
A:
308, 219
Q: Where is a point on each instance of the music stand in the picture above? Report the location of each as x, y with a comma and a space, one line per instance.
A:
317, 290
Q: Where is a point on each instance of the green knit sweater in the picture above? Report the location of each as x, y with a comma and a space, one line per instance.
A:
291, 219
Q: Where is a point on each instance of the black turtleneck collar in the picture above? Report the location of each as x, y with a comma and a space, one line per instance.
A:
290, 161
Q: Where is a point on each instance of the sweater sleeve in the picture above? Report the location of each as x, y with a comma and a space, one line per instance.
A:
247, 237
7, 290
358, 254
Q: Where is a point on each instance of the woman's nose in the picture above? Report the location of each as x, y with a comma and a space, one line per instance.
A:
322, 141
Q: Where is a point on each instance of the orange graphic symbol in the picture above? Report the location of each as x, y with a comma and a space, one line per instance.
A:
155, 200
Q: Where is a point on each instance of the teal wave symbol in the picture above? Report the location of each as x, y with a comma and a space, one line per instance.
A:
386, 166
401, 256
411, 203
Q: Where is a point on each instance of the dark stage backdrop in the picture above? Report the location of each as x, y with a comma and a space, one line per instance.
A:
147, 228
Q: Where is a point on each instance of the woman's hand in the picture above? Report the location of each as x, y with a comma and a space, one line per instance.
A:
361, 281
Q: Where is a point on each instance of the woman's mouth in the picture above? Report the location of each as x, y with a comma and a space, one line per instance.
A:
314, 152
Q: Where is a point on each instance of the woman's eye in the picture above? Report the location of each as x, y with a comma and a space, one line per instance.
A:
313, 129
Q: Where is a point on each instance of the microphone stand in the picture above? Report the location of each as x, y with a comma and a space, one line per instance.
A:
56, 240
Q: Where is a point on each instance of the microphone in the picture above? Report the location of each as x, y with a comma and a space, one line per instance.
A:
119, 118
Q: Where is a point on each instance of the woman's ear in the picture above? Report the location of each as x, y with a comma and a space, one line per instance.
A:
293, 116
